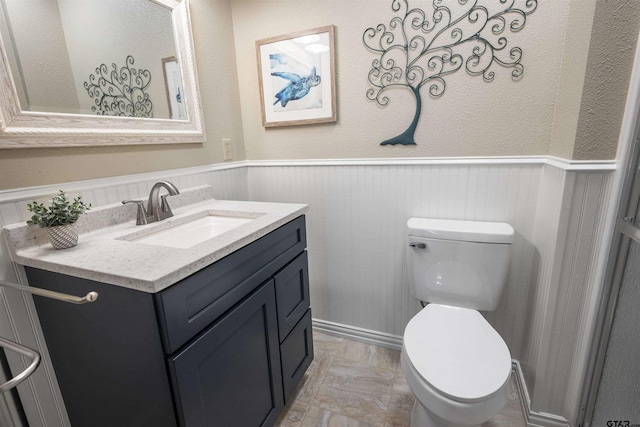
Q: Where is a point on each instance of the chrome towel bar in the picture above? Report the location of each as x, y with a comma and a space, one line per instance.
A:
33, 355
626, 227
90, 297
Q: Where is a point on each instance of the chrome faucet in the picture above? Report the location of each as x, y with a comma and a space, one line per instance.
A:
157, 207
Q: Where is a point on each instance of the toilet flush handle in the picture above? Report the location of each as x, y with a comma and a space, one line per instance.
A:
418, 245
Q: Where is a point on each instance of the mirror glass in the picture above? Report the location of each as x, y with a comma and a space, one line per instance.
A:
96, 57
82, 73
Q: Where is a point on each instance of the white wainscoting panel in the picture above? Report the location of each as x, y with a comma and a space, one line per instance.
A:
572, 206
545, 239
592, 192
356, 232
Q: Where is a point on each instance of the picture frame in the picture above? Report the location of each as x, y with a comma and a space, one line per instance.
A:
174, 89
297, 79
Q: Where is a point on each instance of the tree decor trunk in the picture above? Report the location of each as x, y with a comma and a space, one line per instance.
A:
406, 137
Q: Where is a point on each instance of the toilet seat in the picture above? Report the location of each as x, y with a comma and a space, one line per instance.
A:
457, 352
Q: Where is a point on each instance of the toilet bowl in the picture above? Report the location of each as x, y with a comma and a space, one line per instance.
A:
456, 365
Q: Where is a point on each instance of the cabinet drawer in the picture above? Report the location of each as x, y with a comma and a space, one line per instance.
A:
187, 307
292, 294
296, 353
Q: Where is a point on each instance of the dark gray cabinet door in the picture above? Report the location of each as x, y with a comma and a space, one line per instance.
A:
296, 353
230, 375
292, 294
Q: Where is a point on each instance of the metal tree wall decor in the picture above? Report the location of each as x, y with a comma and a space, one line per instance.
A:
420, 48
120, 92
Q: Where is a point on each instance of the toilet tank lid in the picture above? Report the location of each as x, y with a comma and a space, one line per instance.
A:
466, 231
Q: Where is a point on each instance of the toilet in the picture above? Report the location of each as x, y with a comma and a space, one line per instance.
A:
455, 363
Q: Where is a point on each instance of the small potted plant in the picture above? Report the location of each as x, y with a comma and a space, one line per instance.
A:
59, 219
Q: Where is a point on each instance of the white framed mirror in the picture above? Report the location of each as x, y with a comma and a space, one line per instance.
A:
60, 72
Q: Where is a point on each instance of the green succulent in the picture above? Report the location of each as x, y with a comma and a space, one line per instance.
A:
62, 211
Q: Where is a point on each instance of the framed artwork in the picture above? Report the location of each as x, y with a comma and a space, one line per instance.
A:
297, 78
173, 86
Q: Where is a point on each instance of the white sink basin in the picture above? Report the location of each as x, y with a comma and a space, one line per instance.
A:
188, 232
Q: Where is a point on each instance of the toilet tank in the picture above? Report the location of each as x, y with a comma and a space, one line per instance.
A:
458, 263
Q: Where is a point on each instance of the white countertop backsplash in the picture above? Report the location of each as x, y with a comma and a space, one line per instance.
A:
102, 255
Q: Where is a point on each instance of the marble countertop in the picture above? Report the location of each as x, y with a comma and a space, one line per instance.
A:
104, 256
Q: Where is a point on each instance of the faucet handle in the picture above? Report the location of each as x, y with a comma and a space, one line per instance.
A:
165, 209
141, 218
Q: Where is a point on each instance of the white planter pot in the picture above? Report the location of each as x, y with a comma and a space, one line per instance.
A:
63, 236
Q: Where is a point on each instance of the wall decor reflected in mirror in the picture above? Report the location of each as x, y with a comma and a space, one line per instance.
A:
64, 83
173, 87
120, 91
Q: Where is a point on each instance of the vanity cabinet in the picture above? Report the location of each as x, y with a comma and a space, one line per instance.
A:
225, 346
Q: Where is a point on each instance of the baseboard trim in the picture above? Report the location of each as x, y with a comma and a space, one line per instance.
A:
533, 418
358, 334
